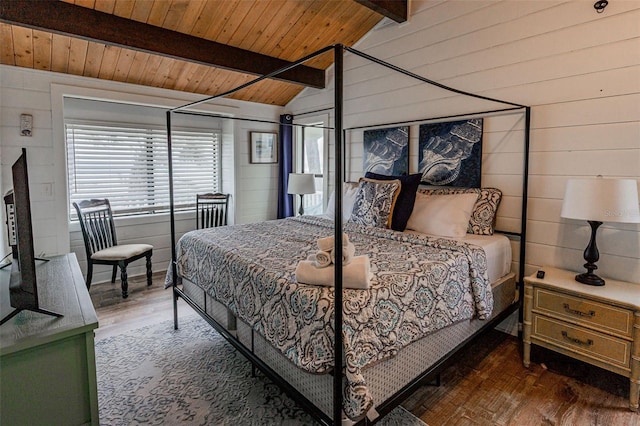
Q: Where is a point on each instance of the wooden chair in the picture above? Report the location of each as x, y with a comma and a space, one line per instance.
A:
211, 210
101, 244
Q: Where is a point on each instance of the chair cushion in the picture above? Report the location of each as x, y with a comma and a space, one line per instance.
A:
121, 252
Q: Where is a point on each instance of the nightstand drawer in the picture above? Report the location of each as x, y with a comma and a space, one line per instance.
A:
606, 318
605, 348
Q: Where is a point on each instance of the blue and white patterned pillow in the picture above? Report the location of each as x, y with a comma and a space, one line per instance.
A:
374, 202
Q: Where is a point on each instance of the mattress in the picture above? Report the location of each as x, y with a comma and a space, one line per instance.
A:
385, 378
497, 247
419, 284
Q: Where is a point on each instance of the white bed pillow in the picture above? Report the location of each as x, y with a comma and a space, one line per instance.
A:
483, 216
349, 193
442, 215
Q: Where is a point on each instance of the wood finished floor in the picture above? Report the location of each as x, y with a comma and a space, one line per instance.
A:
487, 384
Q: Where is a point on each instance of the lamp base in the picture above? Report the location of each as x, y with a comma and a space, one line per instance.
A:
589, 279
591, 255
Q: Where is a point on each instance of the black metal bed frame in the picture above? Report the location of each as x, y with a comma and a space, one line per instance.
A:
339, 135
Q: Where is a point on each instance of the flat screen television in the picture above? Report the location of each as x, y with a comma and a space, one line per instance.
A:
23, 288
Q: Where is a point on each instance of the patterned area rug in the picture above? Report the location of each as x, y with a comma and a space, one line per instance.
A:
192, 376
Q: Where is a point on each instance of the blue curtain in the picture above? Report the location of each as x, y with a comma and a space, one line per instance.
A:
285, 201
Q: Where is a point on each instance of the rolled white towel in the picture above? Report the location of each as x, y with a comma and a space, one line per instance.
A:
327, 243
322, 259
356, 275
348, 252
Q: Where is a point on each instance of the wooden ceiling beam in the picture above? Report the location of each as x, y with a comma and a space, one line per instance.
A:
89, 24
396, 10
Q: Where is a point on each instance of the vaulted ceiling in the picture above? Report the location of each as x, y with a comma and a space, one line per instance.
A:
199, 46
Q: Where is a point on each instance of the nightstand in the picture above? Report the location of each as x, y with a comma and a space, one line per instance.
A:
597, 325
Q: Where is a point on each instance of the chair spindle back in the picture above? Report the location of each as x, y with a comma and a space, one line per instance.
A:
96, 222
211, 210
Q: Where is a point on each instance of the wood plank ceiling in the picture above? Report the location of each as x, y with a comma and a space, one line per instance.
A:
284, 29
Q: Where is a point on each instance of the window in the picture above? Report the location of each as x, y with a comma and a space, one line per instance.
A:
313, 155
129, 165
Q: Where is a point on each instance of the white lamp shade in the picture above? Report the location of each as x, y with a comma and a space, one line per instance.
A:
601, 200
301, 183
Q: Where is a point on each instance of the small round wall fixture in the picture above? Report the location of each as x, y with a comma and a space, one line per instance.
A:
600, 5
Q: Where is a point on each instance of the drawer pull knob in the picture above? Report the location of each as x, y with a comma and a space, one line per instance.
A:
589, 342
589, 314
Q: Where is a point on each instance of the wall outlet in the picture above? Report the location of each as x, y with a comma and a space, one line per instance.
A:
46, 190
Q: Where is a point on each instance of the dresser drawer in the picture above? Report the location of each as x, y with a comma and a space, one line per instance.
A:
607, 318
611, 350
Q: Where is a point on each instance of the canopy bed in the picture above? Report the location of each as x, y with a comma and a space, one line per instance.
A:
424, 296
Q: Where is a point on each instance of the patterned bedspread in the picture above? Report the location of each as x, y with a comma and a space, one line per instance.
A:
420, 284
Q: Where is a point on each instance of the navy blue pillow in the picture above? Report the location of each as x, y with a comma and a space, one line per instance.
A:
406, 198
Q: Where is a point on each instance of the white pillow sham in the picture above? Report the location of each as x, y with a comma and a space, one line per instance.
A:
349, 193
442, 215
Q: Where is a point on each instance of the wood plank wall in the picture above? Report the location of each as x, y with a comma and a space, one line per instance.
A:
256, 184
577, 68
38, 93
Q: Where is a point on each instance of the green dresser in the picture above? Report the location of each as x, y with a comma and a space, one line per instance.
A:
47, 364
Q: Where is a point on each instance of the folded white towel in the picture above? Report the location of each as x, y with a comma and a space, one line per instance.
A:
355, 275
348, 251
327, 243
322, 259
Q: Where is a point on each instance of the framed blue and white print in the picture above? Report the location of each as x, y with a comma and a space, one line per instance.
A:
451, 153
386, 151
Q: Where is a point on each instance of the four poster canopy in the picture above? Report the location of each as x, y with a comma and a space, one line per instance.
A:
339, 132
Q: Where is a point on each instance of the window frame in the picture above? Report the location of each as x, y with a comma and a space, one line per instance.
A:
308, 121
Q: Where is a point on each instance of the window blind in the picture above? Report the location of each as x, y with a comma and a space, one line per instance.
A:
129, 165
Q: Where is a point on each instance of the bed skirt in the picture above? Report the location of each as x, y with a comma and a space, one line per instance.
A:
384, 379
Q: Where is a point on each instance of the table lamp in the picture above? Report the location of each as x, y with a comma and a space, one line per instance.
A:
599, 200
301, 183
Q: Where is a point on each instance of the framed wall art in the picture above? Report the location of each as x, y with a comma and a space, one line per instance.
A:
451, 153
386, 151
263, 147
